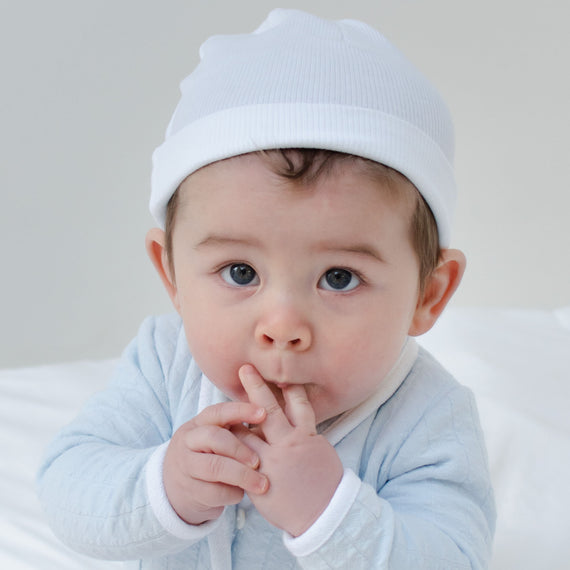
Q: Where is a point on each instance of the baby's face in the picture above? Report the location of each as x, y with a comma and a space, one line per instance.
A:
315, 285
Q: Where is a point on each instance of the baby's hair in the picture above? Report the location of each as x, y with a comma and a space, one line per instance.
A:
305, 166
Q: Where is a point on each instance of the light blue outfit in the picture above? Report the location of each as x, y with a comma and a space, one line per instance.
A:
416, 493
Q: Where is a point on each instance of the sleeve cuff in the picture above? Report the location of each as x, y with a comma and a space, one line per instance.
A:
323, 528
161, 506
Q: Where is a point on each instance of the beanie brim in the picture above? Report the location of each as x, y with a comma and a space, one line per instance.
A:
368, 133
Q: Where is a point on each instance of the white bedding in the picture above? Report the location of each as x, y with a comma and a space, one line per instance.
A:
516, 361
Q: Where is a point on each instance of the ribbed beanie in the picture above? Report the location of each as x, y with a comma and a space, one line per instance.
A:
300, 81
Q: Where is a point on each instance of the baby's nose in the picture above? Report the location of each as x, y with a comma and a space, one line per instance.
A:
284, 330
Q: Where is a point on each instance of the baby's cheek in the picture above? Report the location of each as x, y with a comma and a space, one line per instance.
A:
358, 370
218, 366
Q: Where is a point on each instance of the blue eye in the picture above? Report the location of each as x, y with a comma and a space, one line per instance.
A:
240, 274
337, 279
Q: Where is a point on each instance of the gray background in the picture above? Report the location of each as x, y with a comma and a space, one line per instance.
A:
88, 89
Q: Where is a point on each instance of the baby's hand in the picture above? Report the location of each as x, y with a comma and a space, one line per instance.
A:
303, 468
207, 467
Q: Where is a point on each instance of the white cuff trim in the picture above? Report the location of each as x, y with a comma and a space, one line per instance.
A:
323, 528
161, 506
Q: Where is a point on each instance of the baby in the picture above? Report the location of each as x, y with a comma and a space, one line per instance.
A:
284, 417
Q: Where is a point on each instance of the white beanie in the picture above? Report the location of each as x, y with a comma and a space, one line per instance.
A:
300, 81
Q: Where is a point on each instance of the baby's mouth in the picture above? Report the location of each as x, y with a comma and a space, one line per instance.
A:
280, 382
277, 390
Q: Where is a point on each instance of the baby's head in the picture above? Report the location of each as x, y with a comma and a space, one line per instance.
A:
312, 265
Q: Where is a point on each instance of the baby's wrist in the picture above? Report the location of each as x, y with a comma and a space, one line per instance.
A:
329, 520
318, 511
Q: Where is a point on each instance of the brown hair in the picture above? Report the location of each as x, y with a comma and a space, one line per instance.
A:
305, 166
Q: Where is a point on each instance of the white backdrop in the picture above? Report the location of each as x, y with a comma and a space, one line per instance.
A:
87, 91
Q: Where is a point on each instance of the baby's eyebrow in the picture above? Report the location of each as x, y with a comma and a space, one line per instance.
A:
359, 248
214, 240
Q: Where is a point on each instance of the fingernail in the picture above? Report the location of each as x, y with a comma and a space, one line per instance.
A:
245, 370
259, 413
263, 485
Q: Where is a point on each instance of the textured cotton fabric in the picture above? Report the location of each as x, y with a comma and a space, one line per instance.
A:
416, 491
302, 81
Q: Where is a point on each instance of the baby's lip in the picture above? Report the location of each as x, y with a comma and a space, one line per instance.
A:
278, 383
280, 378
283, 382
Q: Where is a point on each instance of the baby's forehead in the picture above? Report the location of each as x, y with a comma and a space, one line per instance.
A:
297, 170
303, 168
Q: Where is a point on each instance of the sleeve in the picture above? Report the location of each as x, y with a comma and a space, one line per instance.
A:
93, 480
434, 510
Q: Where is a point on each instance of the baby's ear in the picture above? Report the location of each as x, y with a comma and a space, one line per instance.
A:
156, 249
439, 289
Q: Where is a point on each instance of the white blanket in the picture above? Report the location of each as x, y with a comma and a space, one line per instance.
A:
516, 361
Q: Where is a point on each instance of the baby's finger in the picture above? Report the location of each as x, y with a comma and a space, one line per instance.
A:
228, 414
218, 469
276, 424
299, 410
217, 495
249, 438
220, 441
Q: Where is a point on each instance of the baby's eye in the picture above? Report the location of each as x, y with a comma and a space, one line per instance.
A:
240, 274
337, 279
